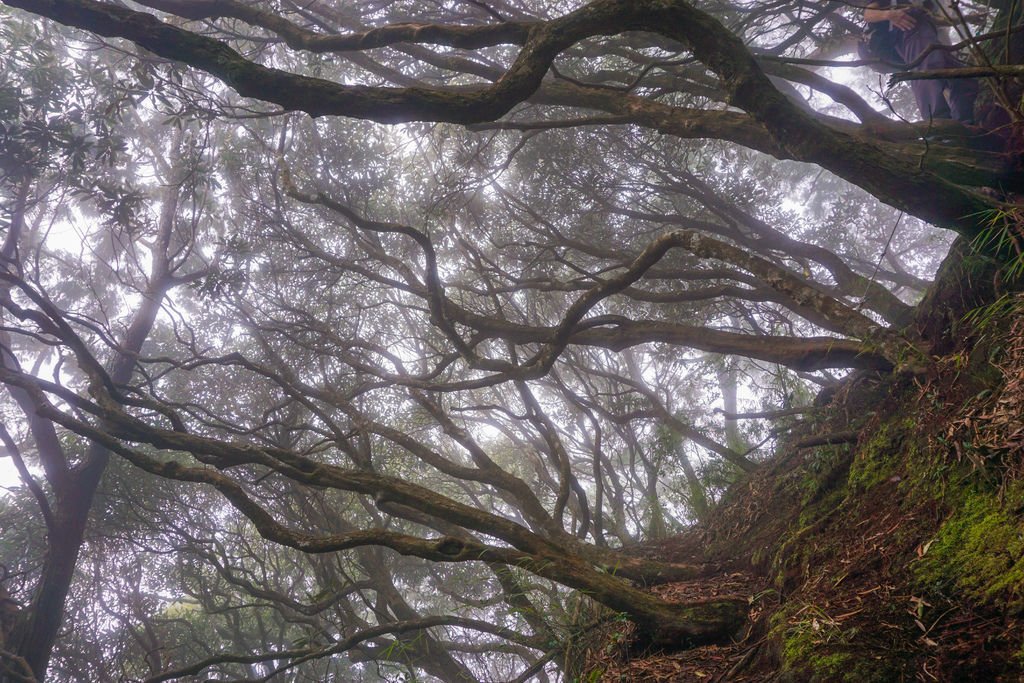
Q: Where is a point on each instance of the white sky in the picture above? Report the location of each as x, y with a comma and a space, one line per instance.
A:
8, 475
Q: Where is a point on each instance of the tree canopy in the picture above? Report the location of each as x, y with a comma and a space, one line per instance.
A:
342, 340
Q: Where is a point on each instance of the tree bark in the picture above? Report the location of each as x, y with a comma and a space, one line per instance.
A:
799, 135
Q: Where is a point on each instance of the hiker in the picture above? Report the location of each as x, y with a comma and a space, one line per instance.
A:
913, 28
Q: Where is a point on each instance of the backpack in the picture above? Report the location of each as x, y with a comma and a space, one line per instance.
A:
878, 42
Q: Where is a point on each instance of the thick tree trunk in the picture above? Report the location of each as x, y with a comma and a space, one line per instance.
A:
74, 487
893, 178
35, 637
660, 624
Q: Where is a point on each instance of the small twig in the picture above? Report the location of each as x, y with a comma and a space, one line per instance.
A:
1015, 70
765, 414
885, 250
828, 439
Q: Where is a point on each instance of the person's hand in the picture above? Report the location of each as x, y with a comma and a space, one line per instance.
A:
902, 19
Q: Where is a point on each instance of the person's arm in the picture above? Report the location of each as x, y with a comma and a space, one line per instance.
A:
900, 17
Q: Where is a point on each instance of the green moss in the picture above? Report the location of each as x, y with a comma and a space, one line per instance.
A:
816, 649
979, 549
881, 457
823, 473
821, 509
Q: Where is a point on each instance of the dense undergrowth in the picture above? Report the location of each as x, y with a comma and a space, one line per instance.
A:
898, 556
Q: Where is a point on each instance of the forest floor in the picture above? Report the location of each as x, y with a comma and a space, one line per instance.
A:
896, 557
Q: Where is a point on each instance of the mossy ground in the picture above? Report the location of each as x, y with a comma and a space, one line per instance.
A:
979, 549
899, 557
911, 565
